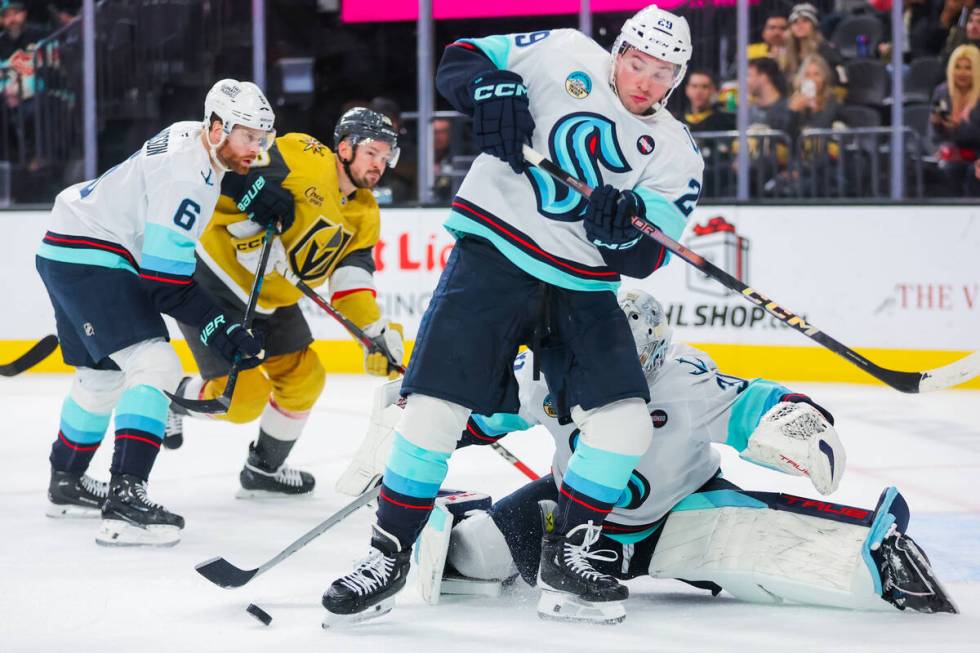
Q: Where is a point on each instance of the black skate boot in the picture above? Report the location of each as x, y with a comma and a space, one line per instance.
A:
369, 591
130, 519
173, 432
571, 588
265, 473
907, 578
75, 495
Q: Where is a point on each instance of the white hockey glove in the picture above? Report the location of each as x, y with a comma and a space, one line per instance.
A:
796, 438
369, 462
248, 251
388, 335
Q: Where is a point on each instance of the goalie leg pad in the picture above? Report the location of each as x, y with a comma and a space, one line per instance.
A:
478, 549
769, 556
430, 553
368, 463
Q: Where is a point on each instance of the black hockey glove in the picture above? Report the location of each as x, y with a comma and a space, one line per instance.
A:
502, 122
265, 201
607, 218
229, 339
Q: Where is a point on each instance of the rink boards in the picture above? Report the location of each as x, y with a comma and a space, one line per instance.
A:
900, 284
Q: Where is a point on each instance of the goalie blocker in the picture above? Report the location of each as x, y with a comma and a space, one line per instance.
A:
761, 547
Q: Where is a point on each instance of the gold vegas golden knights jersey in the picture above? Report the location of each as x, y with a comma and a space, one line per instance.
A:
332, 236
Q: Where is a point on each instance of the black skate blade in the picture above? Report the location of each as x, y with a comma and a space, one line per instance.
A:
224, 574
215, 406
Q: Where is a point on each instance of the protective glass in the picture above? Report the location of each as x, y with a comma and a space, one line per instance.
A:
250, 137
377, 150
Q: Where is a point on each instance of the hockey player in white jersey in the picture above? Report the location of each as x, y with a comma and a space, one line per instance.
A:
678, 518
538, 264
119, 252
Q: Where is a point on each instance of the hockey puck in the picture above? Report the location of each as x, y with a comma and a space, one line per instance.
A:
259, 613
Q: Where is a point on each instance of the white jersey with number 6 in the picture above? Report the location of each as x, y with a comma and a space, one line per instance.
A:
149, 210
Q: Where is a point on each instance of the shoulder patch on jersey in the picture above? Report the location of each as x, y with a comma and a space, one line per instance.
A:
578, 85
311, 144
645, 144
659, 418
548, 406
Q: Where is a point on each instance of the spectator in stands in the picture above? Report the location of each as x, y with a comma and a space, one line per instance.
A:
955, 120
773, 38
17, 33
400, 180
703, 114
805, 39
927, 25
766, 88
442, 182
963, 34
813, 103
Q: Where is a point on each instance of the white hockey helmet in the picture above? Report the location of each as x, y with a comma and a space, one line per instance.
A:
648, 322
659, 34
239, 103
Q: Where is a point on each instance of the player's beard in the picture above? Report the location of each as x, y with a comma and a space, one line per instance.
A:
229, 160
360, 181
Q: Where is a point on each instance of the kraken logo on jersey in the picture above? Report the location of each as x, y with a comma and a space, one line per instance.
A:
579, 143
314, 254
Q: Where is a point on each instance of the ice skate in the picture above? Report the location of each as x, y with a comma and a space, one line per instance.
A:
75, 495
368, 591
129, 518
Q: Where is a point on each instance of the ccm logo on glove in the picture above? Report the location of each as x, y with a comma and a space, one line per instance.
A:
505, 89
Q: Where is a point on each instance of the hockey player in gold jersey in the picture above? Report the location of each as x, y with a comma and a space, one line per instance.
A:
329, 223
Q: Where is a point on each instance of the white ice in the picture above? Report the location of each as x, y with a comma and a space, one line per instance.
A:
59, 591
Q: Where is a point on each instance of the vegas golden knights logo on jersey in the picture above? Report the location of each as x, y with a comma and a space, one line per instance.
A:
314, 255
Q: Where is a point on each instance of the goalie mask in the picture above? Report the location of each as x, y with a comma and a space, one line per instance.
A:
648, 322
659, 34
361, 125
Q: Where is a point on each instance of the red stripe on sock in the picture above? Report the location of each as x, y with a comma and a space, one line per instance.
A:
126, 436
582, 503
403, 505
75, 447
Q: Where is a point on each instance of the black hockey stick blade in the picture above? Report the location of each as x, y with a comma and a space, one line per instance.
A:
206, 406
41, 350
943, 377
224, 574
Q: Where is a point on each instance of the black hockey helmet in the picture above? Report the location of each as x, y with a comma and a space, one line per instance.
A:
360, 124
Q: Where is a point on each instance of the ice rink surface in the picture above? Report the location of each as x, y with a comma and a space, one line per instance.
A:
61, 592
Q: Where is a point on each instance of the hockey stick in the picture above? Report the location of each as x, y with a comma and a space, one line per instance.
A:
514, 460
224, 574
374, 346
222, 403
941, 377
41, 350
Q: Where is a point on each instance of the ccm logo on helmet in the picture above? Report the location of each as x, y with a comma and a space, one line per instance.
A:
504, 89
